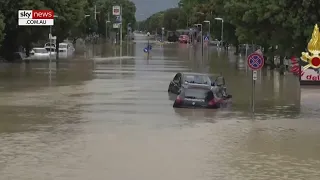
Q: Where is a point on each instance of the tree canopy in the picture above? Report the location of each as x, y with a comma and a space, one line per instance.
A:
74, 19
286, 24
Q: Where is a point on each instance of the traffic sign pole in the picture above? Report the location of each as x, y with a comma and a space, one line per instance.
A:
254, 78
148, 34
255, 63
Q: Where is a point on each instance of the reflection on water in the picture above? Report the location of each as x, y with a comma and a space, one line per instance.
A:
116, 121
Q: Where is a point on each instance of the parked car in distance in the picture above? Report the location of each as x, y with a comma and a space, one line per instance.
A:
66, 50
184, 39
39, 54
49, 45
215, 42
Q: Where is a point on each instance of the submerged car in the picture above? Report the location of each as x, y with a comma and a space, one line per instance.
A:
198, 96
182, 80
39, 54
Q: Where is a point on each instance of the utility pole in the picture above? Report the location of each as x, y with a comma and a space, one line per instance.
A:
108, 21
95, 12
128, 35
121, 32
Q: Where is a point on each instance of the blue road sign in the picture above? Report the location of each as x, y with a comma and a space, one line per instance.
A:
145, 50
255, 61
149, 47
206, 38
118, 19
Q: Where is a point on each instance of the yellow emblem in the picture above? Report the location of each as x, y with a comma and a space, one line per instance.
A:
312, 57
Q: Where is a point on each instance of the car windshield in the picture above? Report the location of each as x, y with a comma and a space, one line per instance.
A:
197, 79
195, 93
40, 50
52, 49
62, 46
48, 44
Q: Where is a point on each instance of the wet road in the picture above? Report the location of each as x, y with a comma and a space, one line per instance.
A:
116, 121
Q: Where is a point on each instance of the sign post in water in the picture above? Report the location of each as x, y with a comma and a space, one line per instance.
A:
255, 63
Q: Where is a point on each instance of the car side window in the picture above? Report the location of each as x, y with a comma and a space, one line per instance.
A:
176, 79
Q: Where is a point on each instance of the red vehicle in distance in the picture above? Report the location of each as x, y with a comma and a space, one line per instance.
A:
184, 39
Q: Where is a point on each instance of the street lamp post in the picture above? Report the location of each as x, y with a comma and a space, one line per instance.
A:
107, 30
128, 34
50, 41
208, 28
220, 19
148, 46
162, 34
121, 31
201, 38
209, 23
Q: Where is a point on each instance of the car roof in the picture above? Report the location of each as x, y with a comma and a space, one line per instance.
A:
193, 73
197, 86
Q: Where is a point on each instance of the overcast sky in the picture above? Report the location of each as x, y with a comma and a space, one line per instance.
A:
145, 8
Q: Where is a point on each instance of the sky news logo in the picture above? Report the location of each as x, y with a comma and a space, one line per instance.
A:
35, 17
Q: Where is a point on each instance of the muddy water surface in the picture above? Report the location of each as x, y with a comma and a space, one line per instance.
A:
116, 121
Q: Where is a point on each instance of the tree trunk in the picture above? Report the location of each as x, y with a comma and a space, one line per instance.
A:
271, 57
237, 48
282, 68
28, 48
57, 48
74, 41
9, 47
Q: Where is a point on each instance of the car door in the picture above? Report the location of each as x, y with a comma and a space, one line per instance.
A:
176, 84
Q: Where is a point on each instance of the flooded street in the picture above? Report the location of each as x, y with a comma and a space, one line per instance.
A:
115, 121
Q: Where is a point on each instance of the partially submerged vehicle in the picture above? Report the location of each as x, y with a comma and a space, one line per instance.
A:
39, 54
183, 79
199, 96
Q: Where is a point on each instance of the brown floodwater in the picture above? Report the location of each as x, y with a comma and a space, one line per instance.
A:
114, 120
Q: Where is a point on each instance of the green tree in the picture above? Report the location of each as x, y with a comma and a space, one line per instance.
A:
18, 35
69, 14
2, 26
171, 19
128, 9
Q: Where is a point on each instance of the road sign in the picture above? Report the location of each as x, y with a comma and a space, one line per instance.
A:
254, 75
147, 49
116, 25
255, 61
206, 38
116, 10
118, 19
